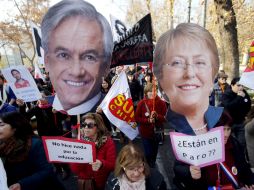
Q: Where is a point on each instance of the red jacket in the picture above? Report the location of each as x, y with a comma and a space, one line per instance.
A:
146, 129
107, 155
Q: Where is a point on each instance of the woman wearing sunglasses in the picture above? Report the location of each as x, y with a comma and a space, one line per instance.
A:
133, 172
94, 175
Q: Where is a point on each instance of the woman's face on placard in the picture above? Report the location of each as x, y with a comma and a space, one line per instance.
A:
187, 73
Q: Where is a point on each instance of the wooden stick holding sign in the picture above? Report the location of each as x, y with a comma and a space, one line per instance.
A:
78, 124
154, 92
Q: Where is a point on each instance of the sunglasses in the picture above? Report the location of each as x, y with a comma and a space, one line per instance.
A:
88, 125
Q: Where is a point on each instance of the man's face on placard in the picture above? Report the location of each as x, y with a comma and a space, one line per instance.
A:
75, 60
16, 75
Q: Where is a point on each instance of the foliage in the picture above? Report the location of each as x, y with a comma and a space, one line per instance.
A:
16, 30
161, 12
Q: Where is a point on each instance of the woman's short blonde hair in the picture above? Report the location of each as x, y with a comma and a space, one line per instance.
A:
185, 31
130, 156
101, 128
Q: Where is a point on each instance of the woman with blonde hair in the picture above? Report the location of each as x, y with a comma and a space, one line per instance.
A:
94, 175
133, 172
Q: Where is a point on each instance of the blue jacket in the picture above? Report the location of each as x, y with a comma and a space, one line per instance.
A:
180, 124
34, 173
7, 108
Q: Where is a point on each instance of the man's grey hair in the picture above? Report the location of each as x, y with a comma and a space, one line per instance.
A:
71, 8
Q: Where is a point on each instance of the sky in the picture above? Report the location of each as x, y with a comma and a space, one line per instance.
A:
105, 7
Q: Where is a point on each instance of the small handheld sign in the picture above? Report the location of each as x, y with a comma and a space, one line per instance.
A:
65, 150
200, 150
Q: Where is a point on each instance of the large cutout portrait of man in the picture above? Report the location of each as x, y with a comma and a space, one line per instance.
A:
78, 44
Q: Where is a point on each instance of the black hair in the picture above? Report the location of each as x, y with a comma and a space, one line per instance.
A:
225, 119
235, 80
14, 70
17, 121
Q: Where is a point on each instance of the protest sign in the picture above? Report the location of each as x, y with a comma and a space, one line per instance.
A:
135, 45
200, 150
60, 149
22, 83
118, 28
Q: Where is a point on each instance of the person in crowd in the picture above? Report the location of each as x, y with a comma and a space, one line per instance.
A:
133, 172
150, 115
118, 70
24, 157
6, 93
186, 74
20, 82
3, 178
48, 85
147, 79
46, 124
135, 88
249, 136
92, 129
235, 162
139, 76
238, 103
105, 86
219, 88
78, 43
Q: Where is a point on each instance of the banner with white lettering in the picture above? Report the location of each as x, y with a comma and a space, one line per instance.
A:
66, 150
200, 150
135, 45
22, 83
118, 107
118, 28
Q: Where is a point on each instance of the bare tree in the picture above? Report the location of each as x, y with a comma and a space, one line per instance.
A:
16, 29
226, 20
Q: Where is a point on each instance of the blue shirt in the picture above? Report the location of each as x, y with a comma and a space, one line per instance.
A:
180, 124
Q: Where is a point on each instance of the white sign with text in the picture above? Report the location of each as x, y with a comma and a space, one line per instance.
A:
60, 149
200, 150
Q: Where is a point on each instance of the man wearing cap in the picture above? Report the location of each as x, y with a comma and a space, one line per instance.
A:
219, 88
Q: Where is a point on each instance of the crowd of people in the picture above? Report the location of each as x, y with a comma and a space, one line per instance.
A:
183, 90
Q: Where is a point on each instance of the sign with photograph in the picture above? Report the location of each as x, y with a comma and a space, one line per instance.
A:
22, 83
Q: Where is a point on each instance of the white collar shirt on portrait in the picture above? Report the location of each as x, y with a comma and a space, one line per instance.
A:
82, 108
